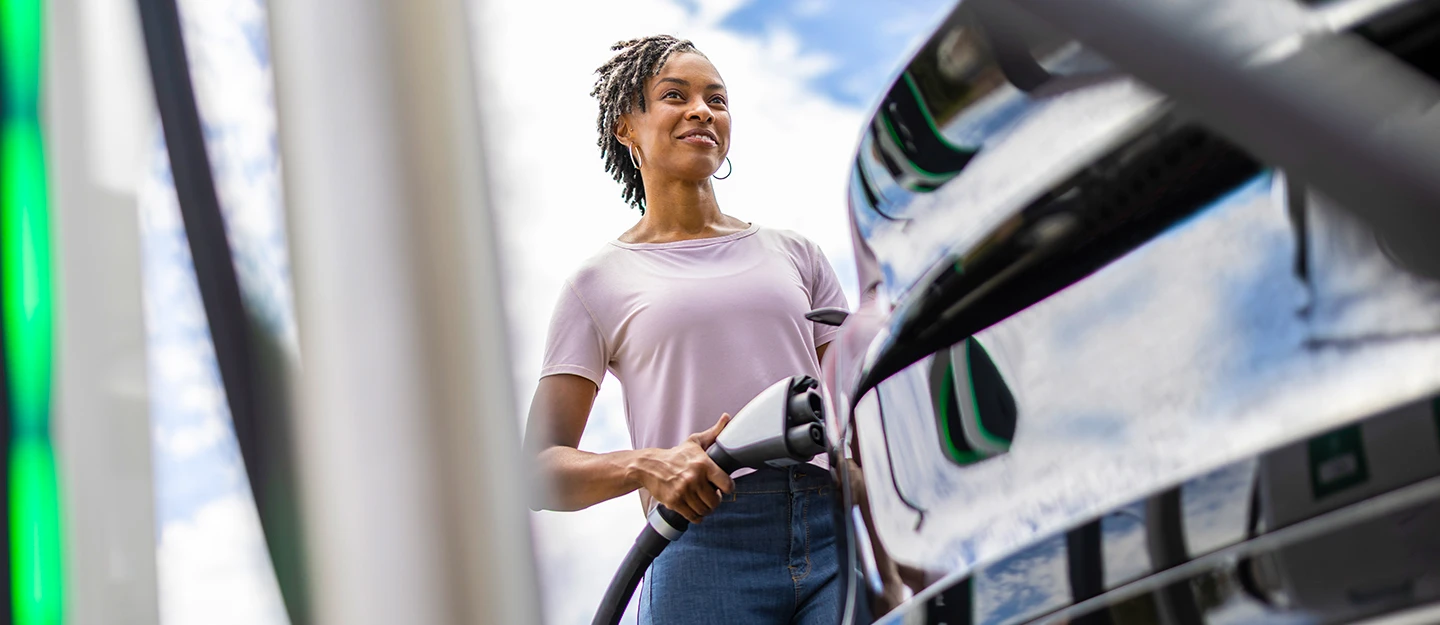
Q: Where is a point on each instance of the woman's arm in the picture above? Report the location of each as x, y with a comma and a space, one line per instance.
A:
682, 477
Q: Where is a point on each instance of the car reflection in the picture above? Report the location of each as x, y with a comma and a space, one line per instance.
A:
1217, 507
1116, 369
1029, 584
909, 142
1326, 530
1123, 545
1352, 274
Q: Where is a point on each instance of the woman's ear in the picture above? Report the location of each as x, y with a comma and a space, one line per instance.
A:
622, 131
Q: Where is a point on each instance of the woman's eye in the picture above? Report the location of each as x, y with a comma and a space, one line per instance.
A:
670, 94
718, 100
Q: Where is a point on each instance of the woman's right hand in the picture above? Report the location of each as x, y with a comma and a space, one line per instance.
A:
683, 477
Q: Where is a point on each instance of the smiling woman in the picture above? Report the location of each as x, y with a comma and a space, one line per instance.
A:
695, 312
621, 103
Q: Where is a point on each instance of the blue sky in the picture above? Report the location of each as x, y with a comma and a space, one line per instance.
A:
863, 40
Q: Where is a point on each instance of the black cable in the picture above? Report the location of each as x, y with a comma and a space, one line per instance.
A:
890, 459
648, 546
632, 569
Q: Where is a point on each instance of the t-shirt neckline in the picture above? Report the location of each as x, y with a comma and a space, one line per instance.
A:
701, 242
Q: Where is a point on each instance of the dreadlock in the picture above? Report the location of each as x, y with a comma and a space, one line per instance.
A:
619, 90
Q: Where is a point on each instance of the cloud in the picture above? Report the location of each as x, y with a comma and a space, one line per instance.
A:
183, 442
1024, 585
214, 570
865, 41
555, 205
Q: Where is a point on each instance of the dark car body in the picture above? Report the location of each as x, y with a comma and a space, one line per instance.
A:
1112, 365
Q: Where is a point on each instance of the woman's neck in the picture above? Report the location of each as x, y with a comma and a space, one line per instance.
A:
681, 210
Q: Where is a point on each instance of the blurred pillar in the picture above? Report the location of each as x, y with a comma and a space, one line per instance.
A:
407, 439
97, 113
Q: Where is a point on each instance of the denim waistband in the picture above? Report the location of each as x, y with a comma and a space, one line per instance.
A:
787, 480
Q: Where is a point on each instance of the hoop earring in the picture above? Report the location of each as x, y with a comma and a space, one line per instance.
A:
728, 171
633, 160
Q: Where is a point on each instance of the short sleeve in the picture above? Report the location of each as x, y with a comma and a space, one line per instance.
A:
825, 292
574, 344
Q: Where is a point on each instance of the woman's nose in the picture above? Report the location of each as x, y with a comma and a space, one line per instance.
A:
701, 112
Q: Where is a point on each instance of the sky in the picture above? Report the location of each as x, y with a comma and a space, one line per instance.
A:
800, 75
862, 41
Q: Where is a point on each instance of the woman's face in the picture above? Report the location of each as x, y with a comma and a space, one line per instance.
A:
684, 131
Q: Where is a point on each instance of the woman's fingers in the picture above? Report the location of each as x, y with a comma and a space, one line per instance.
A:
698, 490
707, 438
709, 497
719, 478
692, 496
685, 510
696, 484
696, 501
693, 505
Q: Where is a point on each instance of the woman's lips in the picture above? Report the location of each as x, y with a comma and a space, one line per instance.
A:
700, 140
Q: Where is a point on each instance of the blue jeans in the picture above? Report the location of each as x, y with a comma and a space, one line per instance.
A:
767, 555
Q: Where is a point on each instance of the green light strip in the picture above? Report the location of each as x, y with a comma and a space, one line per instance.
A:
35, 553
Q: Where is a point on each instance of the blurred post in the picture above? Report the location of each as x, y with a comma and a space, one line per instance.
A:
406, 436
97, 114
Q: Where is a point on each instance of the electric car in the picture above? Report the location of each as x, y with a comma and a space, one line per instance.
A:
1139, 342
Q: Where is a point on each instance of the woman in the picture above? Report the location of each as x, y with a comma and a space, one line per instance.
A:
695, 312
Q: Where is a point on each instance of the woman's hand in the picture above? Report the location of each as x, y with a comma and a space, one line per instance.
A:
683, 477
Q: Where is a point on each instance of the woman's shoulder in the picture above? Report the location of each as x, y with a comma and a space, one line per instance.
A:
597, 267
787, 240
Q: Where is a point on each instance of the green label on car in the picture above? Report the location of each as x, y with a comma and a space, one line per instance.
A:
1337, 461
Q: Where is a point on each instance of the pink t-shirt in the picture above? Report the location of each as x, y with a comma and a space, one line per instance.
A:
695, 328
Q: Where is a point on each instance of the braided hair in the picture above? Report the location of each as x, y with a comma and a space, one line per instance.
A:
619, 90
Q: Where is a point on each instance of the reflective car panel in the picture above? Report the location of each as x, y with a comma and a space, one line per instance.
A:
954, 124
1192, 352
1334, 559
1116, 369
